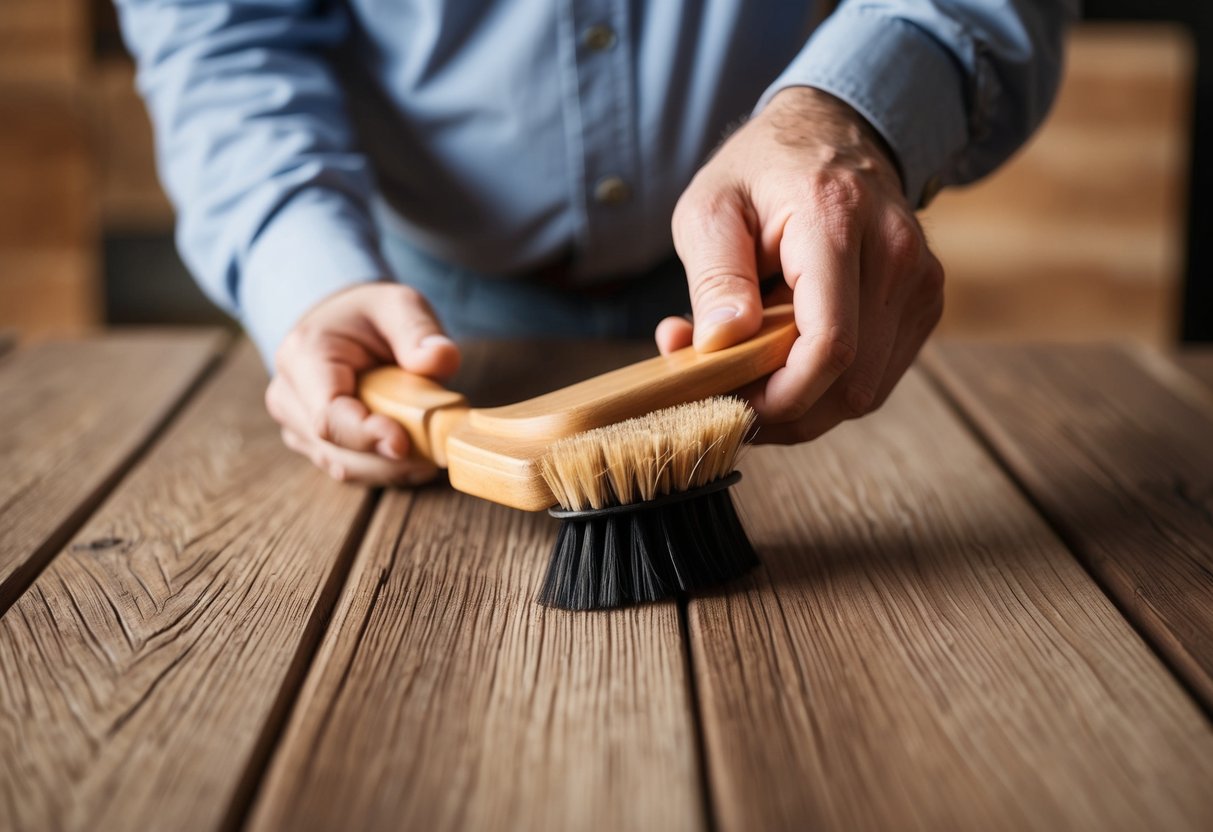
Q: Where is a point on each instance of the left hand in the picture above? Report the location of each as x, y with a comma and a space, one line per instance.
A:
808, 189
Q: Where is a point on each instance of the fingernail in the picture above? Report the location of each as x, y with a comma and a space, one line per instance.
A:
719, 316
436, 341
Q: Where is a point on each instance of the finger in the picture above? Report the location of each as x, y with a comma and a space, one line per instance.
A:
716, 242
353, 426
919, 317
899, 284
889, 264
836, 406
286, 408
345, 465
823, 269
410, 327
673, 334
318, 370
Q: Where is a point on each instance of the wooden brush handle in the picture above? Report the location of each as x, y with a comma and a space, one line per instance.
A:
677, 378
506, 439
426, 409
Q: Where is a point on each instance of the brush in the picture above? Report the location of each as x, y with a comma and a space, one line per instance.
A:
645, 509
670, 463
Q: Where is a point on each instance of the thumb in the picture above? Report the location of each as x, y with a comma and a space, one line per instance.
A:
717, 247
407, 322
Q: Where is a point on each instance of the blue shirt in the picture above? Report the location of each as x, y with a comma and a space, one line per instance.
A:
500, 135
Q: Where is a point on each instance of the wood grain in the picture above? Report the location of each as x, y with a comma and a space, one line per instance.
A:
1121, 465
443, 697
145, 675
74, 416
920, 652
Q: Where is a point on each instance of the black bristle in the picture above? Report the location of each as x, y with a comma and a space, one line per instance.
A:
647, 551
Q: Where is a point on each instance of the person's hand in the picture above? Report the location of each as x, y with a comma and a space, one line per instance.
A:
312, 394
807, 189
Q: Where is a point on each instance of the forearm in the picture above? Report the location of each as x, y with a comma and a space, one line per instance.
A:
255, 151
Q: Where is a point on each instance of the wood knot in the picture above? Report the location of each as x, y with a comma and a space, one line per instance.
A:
98, 545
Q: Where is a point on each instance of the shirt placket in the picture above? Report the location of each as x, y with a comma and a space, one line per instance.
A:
602, 112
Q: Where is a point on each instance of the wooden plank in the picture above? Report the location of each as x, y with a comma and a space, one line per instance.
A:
145, 675
1121, 466
78, 415
443, 697
920, 652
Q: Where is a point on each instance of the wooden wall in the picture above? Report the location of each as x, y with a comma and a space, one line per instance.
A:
48, 218
1080, 237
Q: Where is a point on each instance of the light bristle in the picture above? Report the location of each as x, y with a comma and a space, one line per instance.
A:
675, 449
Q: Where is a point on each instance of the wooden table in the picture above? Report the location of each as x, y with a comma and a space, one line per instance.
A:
989, 606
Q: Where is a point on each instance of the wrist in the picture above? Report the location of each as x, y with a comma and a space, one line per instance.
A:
800, 114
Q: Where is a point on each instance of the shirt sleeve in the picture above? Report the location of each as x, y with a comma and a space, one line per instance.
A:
954, 86
256, 153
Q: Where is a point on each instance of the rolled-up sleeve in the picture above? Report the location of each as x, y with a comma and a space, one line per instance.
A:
953, 87
256, 153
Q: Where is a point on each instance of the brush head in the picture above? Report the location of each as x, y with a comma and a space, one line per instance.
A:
645, 509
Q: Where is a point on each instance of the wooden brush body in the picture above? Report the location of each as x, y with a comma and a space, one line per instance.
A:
496, 453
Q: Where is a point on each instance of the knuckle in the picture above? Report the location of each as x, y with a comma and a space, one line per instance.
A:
716, 282
932, 279
859, 400
843, 187
703, 209
834, 192
407, 296
322, 427
834, 350
904, 242
272, 397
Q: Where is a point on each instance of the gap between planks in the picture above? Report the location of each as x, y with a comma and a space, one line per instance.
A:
444, 697
144, 681
1113, 444
91, 410
918, 651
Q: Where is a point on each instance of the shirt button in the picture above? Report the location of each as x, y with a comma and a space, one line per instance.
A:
611, 190
598, 38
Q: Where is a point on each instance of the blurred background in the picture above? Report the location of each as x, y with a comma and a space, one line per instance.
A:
1101, 228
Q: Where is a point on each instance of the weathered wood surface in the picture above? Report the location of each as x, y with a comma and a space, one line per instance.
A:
146, 673
1121, 465
443, 697
920, 652
73, 416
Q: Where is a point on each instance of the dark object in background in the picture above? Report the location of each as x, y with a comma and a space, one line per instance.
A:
146, 283
1196, 322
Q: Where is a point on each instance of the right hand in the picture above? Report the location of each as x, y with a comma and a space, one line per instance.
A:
313, 394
